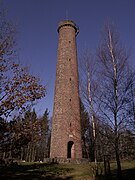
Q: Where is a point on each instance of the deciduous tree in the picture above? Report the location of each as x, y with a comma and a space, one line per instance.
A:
114, 85
18, 88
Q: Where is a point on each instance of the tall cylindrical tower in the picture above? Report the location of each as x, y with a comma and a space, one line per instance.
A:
66, 130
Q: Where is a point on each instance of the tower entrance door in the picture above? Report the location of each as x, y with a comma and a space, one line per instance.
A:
70, 149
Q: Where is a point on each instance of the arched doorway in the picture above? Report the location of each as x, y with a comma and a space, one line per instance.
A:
70, 149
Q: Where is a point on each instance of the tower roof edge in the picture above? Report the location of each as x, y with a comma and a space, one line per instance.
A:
68, 23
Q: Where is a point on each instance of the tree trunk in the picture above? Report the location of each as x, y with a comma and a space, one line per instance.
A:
28, 153
119, 172
21, 158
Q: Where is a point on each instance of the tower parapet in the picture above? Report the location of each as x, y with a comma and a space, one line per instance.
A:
68, 23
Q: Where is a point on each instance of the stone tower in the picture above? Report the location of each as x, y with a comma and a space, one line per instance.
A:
66, 131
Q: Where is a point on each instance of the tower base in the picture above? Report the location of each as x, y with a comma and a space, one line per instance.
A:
66, 160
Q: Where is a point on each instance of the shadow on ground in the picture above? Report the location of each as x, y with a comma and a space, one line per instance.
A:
127, 174
52, 172
35, 172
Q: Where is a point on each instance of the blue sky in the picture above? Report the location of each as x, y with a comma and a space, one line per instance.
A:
37, 37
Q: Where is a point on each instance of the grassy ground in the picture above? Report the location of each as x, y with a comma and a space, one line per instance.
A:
128, 169
35, 171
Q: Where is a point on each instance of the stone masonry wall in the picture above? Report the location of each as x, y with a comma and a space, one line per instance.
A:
66, 113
